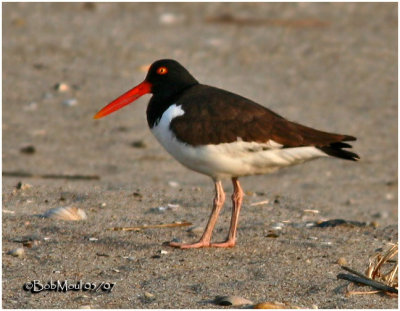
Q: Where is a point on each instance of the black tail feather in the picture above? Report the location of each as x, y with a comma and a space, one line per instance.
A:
335, 150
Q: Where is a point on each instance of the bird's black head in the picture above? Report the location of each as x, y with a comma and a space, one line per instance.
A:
167, 78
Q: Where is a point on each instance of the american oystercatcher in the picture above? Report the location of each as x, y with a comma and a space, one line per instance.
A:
223, 135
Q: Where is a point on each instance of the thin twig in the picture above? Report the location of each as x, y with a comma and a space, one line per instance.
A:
50, 176
176, 224
363, 293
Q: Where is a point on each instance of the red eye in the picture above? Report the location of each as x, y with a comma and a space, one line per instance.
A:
162, 70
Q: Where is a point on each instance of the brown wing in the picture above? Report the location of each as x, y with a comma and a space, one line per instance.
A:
215, 116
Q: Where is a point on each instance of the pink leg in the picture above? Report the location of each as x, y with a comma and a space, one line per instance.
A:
205, 240
237, 198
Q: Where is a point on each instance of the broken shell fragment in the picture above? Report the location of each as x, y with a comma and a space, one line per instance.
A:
66, 213
273, 305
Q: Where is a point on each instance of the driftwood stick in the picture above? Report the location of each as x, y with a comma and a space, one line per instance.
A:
366, 281
50, 176
176, 224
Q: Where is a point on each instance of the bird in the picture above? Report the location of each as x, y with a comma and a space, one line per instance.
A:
224, 136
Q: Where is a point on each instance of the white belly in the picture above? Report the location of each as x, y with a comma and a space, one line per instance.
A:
229, 159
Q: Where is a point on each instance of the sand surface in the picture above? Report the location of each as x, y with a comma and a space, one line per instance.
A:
329, 66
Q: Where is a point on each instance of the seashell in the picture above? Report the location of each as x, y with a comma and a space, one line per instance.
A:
17, 252
231, 301
66, 213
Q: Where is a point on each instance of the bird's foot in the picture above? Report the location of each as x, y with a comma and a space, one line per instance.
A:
199, 244
226, 244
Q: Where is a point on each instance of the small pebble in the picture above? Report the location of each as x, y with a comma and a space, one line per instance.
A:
231, 301
61, 87
389, 196
21, 186
383, 215
29, 149
163, 252
158, 210
70, 102
272, 234
168, 19
137, 195
342, 261
173, 184
176, 240
17, 252
31, 244
138, 144
93, 239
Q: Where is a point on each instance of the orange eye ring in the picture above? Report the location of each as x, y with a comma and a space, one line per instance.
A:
162, 70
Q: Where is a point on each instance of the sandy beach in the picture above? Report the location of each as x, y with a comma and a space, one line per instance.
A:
331, 66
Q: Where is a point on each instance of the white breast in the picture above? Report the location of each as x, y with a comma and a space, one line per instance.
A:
227, 160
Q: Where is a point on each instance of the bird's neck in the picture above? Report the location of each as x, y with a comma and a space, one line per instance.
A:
158, 104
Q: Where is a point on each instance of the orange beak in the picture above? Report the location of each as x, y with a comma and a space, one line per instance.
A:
125, 99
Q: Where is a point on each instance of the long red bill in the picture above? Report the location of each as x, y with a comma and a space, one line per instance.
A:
125, 99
